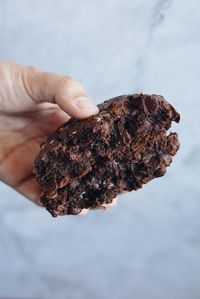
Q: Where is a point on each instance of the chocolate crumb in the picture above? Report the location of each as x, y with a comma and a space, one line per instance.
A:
86, 163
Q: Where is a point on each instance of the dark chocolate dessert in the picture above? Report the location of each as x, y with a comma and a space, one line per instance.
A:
86, 163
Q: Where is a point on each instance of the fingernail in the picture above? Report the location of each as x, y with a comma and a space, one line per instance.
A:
84, 103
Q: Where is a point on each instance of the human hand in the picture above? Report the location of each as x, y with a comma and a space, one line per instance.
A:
32, 105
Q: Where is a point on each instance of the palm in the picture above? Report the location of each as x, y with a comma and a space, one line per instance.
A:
21, 135
28, 115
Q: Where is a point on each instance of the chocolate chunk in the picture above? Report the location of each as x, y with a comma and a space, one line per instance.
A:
151, 103
86, 163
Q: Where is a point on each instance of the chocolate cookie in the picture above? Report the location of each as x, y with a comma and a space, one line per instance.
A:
86, 163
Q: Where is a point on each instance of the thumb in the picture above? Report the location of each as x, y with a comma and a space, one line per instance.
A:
61, 90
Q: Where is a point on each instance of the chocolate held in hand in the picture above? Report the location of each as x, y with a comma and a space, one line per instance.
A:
86, 163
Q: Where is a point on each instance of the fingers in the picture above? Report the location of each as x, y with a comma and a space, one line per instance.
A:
31, 190
112, 204
64, 91
83, 212
78, 104
102, 207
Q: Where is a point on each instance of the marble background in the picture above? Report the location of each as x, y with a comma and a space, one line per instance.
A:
149, 245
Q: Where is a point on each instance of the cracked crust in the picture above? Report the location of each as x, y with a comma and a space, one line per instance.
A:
86, 163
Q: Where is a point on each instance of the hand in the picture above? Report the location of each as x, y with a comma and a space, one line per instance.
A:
32, 105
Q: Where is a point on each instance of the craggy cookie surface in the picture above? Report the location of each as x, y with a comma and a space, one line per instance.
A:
86, 163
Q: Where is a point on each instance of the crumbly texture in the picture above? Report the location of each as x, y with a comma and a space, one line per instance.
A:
86, 163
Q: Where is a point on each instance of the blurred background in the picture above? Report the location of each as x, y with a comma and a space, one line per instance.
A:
148, 246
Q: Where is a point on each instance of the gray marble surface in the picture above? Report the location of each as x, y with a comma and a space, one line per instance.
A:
149, 245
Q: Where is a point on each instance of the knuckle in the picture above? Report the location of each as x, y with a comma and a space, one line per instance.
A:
33, 69
69, 81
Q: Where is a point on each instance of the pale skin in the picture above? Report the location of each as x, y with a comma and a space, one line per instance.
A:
33, 104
